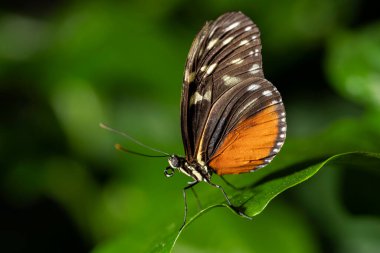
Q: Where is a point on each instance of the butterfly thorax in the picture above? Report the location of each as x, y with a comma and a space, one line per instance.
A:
192, 169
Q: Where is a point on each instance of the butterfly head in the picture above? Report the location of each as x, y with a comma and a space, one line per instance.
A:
175, 162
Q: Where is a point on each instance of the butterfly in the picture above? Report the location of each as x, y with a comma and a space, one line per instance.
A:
232, 118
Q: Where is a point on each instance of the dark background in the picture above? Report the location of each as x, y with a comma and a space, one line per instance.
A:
65, 66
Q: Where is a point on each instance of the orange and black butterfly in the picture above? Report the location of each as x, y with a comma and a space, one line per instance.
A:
232, 118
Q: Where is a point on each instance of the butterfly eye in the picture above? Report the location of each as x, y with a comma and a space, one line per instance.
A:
169, 171
174, 161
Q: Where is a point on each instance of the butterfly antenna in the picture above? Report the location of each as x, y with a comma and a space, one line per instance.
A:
119, 147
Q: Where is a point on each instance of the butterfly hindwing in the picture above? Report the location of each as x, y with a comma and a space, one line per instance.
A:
249, 132
223, 87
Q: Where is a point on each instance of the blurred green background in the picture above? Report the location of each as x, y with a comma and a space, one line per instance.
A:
65, 66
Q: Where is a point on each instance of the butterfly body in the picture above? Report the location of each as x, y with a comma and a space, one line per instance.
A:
194, 170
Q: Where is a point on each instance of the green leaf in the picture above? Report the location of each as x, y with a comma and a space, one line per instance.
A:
256, 197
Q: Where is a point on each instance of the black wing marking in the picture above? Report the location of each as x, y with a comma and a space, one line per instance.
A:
224, 58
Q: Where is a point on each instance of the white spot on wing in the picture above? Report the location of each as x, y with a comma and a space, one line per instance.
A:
274, 102
230, 80
268, 160
198, 97
255, 69
253, 87
189, 77
228, 40
207, 95
211, 68
283, 129
195, 98
257, 52
226, 78
232, 26
248, 28
267, 93
212, 43
203, 68
237, 61
243, 42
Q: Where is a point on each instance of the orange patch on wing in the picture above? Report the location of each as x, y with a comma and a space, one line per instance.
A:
248, 144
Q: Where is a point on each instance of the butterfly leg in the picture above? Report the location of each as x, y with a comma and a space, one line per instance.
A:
236, 209
191, 184
231, 185
224, 193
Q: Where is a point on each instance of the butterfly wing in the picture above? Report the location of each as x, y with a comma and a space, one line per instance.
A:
226, 97
254, 129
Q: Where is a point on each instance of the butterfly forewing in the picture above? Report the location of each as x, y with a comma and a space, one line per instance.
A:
223, 87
